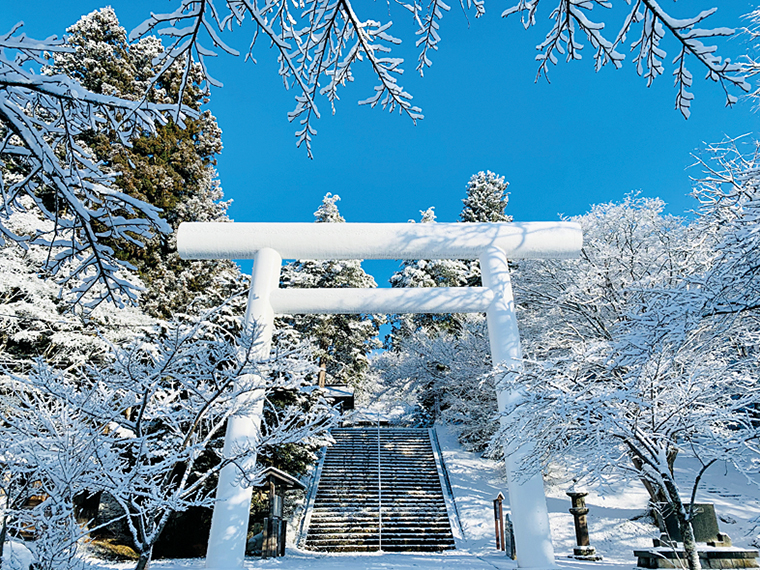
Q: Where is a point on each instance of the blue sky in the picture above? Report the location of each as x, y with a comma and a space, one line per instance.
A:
585, 138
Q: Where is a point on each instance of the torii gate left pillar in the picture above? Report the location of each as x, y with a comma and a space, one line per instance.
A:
493, 244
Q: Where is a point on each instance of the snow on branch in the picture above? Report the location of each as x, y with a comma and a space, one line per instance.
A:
43, 118
317, 47
571, 17
147, 426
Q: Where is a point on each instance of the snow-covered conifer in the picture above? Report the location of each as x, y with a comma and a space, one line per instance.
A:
486, 200
171, 168
34, 319
342, 343
427, 273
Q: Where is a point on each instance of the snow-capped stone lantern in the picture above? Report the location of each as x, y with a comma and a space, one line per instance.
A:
579, 510
491, 243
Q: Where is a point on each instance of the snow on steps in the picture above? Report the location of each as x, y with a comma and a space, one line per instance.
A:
345, 516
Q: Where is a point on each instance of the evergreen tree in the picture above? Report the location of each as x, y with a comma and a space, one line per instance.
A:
172, 169
34, 319
486, 200
426, 273
341, 343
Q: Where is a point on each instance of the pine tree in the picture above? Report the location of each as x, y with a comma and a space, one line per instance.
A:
172, 169
426, 273
342, 343
36, 322
486, 201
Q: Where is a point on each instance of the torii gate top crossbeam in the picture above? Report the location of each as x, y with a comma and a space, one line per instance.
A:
224, 240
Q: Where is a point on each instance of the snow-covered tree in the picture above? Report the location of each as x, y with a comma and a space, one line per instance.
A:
34, 319
341, 343
427, 273
156, 413
672, 368
48, 451
317, 47
568, 307
571, 311
42, 118
486, 200
728, 197
445, 376
656, 401
171, 168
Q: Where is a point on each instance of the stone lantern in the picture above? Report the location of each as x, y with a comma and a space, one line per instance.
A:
579, 510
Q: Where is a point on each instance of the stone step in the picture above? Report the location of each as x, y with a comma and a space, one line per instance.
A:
368, 506
388, 539
386, 548
345, 510
387, 501
392, 490
434, 528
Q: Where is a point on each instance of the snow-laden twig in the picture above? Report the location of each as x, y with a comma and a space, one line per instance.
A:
42, 121
571, 16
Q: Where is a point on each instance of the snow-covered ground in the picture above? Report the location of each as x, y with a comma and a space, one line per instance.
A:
615, 523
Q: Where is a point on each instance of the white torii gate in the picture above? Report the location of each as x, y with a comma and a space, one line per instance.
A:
492, 243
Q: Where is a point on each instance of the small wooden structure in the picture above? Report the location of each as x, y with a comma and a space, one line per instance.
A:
340, 395
275, 528
505, 539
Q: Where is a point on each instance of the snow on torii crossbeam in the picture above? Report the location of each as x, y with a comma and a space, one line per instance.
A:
492, 243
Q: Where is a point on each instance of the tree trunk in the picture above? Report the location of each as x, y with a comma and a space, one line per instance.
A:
656, 495
684, 524
3, 534
143, 563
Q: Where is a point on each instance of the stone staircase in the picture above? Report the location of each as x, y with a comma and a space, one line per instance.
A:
400, 508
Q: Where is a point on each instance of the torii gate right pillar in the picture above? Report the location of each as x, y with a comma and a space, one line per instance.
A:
526, 496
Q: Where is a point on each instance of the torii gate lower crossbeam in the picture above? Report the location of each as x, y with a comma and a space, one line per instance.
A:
492, 244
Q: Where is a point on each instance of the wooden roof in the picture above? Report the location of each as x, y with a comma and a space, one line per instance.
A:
283, 479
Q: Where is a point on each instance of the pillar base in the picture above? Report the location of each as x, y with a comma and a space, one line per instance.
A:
585, 553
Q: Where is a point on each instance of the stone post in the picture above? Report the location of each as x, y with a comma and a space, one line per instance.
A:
527, 501
229, 524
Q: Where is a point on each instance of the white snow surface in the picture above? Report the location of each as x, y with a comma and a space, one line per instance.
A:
477, 481
16, 556
241, 240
